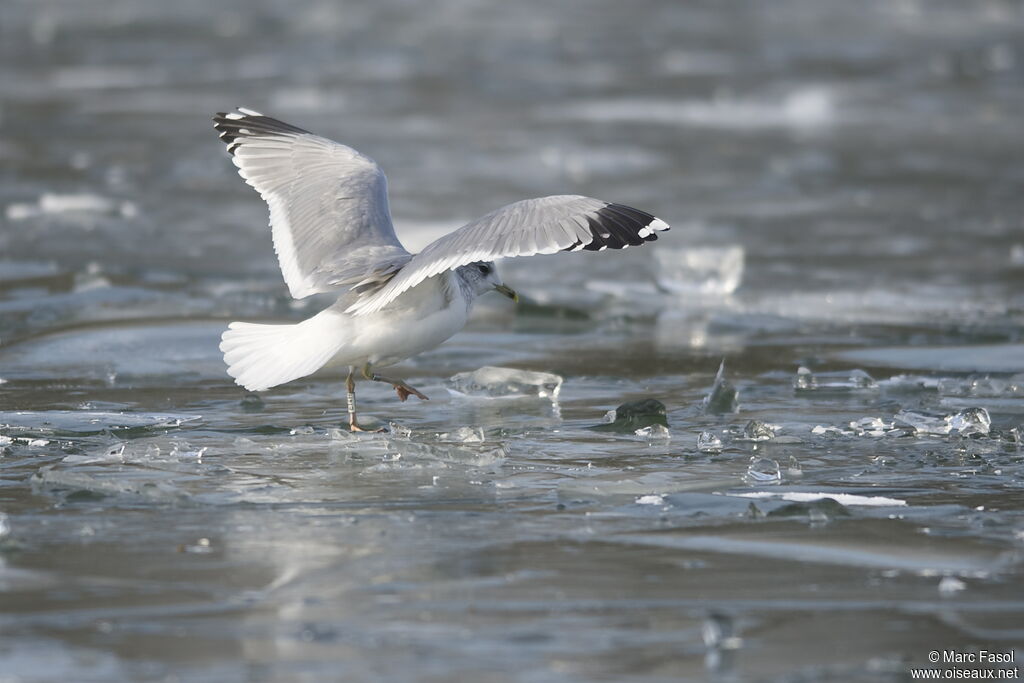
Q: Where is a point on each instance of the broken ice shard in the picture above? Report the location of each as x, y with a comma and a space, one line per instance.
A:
854, 380
723, 397
763, 471
702, 270
634, 415
496, 382
708, 442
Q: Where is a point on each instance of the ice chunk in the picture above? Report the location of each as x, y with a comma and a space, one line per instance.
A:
708, 442
827, 429
804, 380
854, 380
702, 270
755, 430
871, 426
497, 382
763, 471
966, 422
971, 421
922, 423
793, 467
634, 415
723, 397
950, 585
83, 203
651, 500
983, 387
654, 432
464, 435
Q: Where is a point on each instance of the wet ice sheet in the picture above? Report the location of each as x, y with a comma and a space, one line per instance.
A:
840, 180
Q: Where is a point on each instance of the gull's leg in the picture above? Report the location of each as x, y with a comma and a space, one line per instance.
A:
350, 385
403, 389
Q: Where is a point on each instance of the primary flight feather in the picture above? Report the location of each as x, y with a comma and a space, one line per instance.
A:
332, 232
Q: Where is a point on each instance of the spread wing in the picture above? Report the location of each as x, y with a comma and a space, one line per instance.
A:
533, 226
328, 203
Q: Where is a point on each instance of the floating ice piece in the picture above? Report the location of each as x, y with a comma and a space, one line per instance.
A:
723, 397
652, 499
804, 380
966, 422
654, 432
708, 442
755, 430
983, 387
763, 471
497, 382
950, 585
88, 421
634, 415
849, 499
828, 429
701, 270
855, 380
464, 435
793, 467
83, 203
872, 426
970, 421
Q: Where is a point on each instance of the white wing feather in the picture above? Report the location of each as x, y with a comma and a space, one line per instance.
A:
328, 203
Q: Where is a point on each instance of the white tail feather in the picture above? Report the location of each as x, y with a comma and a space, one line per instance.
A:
263, 356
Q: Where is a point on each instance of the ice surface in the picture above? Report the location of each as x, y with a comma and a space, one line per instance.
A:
763, 471
498, 382
854, 380
699, 270
978, 358
724, 397
808, 496
983, 387
708, 442
56, 204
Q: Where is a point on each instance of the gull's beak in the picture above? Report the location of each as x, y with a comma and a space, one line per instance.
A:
507, 291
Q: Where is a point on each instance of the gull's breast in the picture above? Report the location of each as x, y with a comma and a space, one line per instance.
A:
420, 319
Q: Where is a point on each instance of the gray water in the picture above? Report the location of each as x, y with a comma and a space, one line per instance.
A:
844, 181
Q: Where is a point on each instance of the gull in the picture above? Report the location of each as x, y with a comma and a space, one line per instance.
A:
332, 231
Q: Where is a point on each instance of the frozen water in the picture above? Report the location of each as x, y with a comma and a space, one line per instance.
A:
723, 398
654, 432
497, 382
950, 585
872, 426
756, 430
966, 422
763, 471
983, 387
804, 380
809, 496
854, 380
708, 442
970, 421
700, 270
651, 499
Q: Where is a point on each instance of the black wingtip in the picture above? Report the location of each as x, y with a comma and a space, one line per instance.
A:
617, 226
242, 123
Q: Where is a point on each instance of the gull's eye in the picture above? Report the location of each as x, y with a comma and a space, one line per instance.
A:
484, 268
